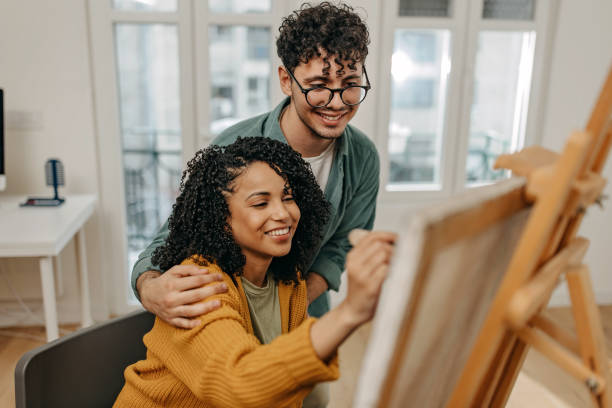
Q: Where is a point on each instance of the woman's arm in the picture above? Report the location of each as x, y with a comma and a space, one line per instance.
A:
220, 362
366, 265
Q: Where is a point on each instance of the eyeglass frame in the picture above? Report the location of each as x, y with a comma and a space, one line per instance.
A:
366, 87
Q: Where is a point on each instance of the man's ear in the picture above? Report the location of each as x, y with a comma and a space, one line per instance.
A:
285, 80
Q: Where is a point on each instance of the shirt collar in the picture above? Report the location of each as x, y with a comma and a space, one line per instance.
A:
272, 127
273, 130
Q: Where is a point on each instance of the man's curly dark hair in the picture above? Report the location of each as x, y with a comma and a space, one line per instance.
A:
199, 224
335, 29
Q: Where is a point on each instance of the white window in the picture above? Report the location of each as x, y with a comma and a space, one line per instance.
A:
169, 76
455, 83
462, 87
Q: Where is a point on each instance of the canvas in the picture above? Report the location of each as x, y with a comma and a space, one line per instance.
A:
463, 300
449, 262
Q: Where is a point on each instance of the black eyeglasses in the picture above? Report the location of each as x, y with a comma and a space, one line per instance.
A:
320, 96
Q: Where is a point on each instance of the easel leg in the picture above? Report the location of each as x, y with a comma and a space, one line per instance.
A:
497, 373
511, 371
590, 330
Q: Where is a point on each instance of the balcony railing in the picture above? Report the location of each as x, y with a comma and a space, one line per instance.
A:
418, 160
152, 177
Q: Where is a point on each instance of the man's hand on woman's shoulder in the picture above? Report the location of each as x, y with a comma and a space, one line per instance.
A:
176, 296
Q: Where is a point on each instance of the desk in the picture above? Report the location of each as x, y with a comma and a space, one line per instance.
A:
42, 232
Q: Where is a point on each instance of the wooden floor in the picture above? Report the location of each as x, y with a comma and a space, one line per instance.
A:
11, 350
541, 384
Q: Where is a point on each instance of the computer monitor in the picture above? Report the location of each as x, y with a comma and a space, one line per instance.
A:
2, 165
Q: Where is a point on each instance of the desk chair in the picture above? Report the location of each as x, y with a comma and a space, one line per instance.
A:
83, 369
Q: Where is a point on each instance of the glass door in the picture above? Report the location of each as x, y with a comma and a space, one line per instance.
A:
236, 62
147, 62
164, 69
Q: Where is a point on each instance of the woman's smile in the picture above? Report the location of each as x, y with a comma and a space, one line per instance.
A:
280, 233
264, 215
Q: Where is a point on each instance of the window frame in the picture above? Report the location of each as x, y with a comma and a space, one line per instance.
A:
464, 23
202, 20
192, 19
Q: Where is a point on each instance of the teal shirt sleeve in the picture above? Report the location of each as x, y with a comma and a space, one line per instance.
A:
359, 213
144, 262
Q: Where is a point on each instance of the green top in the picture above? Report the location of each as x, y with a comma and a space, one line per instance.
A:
351, 189
264, 309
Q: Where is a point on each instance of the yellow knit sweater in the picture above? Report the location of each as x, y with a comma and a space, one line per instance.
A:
221, 363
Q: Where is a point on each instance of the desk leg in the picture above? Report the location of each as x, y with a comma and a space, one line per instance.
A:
48, 291
86, 318
59, 276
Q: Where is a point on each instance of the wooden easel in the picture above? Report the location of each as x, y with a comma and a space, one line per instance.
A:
561, 186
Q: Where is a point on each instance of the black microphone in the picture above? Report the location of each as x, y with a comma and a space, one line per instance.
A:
54, 173
54, 170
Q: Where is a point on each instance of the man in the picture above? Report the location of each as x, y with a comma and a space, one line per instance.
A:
323, 50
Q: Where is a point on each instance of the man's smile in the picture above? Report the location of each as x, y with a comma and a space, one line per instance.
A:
331, 118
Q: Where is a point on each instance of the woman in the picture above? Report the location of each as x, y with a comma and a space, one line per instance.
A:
253, 213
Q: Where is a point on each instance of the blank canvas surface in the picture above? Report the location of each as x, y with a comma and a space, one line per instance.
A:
442, 281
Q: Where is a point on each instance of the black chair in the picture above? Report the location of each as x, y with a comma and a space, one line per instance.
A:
83, 369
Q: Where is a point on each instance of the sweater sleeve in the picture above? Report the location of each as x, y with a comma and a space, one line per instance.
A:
222, 363
144, 262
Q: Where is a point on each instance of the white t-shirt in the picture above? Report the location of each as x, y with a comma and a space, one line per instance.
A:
321, 165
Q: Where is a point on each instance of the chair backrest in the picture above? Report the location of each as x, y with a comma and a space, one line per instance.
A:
83, 369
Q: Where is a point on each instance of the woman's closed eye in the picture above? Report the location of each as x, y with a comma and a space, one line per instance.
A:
263, 204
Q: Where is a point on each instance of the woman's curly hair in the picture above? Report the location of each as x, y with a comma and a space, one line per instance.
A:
337, 30
199, 224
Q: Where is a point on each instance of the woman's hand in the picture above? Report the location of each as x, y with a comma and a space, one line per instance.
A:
367, 265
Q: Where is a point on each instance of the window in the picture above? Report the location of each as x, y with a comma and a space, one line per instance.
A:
148, 5
239, 6
508, 9
499, 102
456, 84
221, 102
460, 91
221, 34
258, 43
231, 65
170, 75
420, 45
418, 94
415, 93
424, 8
148, 79
257, 91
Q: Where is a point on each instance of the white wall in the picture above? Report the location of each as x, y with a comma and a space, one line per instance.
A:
581, 58
45, 73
